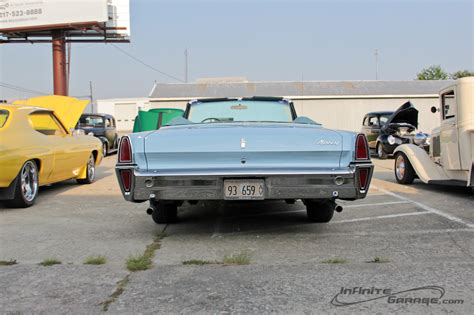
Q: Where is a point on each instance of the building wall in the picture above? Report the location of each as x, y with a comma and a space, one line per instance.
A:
345, 114
124, 110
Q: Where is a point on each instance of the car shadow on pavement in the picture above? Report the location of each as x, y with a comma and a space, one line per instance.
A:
229, 217
52, 190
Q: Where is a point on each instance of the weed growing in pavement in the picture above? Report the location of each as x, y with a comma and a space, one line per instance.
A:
114, 296
199, 262
379, 260
49, 262
10, 262
336, 260
95, 260
144, 262
242, 258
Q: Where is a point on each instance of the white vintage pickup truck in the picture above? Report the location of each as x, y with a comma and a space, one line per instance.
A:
451, 155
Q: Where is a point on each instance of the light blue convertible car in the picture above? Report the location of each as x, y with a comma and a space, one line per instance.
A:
243, 149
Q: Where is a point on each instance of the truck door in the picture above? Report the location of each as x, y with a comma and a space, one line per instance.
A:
449, 138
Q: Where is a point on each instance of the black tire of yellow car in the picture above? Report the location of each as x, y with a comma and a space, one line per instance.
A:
165, 213
380, 152
19, 200
90, 173
320, 211
409, 173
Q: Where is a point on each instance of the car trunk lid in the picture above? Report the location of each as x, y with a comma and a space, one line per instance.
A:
243, 146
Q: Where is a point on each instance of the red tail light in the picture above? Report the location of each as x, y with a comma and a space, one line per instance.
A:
126, 176
125, 151
363, 178
362, 148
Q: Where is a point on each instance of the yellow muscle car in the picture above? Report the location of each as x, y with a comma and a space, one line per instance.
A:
38, 146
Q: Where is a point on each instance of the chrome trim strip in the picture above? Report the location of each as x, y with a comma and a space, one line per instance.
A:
236, 172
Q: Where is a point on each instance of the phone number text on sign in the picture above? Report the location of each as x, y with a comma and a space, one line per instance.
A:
20, 13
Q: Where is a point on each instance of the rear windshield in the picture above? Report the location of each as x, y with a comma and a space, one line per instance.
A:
91, 122
240, 111
384, 118
3, 117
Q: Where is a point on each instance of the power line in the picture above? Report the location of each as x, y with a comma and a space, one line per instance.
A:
21, 89
146, 65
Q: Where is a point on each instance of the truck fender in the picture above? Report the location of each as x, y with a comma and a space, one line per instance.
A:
421, 162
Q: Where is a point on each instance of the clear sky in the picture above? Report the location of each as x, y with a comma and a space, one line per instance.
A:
261, 40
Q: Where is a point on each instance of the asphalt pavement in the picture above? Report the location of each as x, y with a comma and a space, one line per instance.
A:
403, 249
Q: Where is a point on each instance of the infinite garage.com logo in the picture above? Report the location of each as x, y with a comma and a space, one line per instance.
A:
427, 295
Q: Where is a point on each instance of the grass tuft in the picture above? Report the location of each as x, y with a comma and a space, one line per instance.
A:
139, 262
144, 262
10, 262
242, 258
336, 260
49, 262
95, 260
379, 260
199, 262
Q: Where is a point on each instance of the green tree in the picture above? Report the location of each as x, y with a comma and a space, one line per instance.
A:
432, 73
461, 74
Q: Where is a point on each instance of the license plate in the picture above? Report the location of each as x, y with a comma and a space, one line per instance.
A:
244, 189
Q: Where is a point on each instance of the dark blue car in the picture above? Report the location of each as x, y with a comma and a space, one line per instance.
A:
385, 131
103, 127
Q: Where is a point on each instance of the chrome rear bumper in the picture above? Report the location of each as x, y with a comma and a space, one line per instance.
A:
281, 184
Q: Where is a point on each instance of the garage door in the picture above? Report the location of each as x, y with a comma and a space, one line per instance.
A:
125, 115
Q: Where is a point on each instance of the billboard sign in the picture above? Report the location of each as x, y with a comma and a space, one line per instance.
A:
36, 14
119, 17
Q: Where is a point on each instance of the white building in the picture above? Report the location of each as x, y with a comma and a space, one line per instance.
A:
123, 109
335, 104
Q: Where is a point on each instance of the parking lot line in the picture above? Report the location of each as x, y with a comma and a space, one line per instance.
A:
427, 208
377, 204
383, 217
303, 210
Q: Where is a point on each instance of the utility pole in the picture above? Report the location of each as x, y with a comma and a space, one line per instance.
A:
186, 65
376, 53
92, 97
68, 60
59, 63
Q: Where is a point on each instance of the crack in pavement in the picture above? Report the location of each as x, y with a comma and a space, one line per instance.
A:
150, 251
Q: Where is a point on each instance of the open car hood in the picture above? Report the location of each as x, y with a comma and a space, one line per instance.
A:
67, 109
405, 114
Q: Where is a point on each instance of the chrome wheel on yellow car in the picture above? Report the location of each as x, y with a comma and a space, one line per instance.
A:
26, 189
90, 172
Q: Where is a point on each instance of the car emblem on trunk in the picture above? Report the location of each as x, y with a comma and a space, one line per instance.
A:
242, 143
327, 142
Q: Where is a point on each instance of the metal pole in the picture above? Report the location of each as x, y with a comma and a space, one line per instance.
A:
186, 65
68, 65
92, 97
376, 64
59, 63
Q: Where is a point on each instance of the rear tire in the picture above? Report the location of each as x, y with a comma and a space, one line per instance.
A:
380, 152
90, 171
104, 149
320, 211
404, 172
165, 213
26, 188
